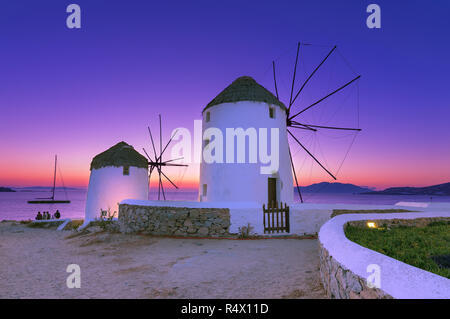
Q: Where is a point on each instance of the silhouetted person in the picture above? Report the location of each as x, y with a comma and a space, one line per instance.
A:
39, 216
57, 214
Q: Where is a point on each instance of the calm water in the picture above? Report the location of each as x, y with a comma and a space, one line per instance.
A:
15, 206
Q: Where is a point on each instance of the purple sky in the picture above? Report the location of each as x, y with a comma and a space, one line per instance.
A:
78, 92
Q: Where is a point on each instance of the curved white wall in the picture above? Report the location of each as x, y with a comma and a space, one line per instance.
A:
244, 182
108, 187
397, 279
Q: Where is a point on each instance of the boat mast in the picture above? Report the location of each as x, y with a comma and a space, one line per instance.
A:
54, 180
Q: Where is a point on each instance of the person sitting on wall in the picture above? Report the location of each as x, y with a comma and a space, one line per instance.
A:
39, 216
57, 214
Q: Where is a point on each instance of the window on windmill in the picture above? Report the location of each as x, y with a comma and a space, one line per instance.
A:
126, 170
271, 112
208, 116
205, 189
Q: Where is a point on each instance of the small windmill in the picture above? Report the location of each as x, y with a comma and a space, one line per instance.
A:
292, 121
158, 163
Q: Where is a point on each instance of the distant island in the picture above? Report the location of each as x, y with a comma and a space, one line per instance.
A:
44, 189
340, 188
335, 188
6, 190
435, 190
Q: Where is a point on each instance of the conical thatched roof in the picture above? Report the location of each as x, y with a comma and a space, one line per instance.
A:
121, 154
245, 88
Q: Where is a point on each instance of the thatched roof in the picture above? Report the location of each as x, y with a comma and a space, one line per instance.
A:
121, 154
245, 88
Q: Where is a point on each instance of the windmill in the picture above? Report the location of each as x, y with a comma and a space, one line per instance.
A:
158, 163
293, 118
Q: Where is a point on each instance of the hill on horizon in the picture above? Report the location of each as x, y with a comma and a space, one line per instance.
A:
434, 190
335, 188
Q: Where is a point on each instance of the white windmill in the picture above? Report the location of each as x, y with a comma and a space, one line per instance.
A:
246, 105
116, 174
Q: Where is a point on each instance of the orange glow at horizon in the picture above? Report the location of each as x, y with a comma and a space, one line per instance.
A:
361, 176
74, 179
362, 169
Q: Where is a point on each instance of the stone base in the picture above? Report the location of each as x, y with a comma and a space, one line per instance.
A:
174, 221
341, 283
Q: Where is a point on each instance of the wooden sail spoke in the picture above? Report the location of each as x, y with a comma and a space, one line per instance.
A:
295, 176
333, 127
293, 77
153, 143
310, 76
275, 79
325, 97
158, 163
310, 154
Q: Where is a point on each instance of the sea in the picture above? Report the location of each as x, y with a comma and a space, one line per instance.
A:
14, 206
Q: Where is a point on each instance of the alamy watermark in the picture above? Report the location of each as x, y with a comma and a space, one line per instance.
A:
374, 279
74, 279
229, 145
373, 21
73, 20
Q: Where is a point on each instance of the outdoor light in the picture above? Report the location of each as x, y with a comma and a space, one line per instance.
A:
371, 225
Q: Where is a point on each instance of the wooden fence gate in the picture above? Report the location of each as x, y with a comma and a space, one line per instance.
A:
276, 219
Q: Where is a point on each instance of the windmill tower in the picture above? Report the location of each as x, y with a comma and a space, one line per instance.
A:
118, 173
247, 105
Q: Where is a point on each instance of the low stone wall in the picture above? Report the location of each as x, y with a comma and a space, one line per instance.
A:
342, 283
343, 263
175, 221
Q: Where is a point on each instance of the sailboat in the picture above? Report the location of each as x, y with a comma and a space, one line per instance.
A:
50, 200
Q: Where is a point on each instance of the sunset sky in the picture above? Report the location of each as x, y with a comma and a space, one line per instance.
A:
76, 93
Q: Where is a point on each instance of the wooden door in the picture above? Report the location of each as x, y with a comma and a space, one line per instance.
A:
272, 191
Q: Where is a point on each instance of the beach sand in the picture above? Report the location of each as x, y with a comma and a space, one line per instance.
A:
33, 264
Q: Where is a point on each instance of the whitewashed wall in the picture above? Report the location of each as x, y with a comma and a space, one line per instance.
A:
303, 221
108, 186
239, 182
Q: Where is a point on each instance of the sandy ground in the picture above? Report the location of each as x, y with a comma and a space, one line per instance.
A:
33, 264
